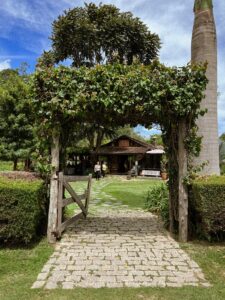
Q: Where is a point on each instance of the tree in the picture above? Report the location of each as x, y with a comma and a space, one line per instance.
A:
102, 34
129, 131
16, 134
204, 49
156, 139
222, 137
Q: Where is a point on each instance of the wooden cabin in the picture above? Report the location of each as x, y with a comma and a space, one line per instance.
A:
121, 154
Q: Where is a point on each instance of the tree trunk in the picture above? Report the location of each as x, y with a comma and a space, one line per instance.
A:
27, 164
15, 163
183, 193
99, 139
52, 215
204, 49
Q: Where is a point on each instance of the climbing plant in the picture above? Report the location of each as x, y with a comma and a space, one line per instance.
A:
122, 94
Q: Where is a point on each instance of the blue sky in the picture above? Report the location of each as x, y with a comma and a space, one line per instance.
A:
25, 26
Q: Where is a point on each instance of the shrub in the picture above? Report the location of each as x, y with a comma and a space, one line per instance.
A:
23, 210
207, 207
157, 201
222, 168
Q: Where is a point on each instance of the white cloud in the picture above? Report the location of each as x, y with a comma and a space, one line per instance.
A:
5, 64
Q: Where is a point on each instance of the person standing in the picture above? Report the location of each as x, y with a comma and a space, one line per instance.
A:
104, 169
97, 170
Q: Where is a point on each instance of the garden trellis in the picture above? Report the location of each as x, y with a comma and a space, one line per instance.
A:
121, 94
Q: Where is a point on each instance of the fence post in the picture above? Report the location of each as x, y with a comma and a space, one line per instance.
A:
60, 205
183, 193
52, 214
88, 193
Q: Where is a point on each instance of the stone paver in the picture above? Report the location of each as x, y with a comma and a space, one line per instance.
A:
119, 249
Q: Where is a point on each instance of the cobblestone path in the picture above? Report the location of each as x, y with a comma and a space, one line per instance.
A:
115, 248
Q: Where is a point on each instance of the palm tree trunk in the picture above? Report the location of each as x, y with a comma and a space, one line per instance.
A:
204, 49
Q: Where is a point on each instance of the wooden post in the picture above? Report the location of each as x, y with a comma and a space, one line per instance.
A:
88, 193
183, 194
60, 205
52, 214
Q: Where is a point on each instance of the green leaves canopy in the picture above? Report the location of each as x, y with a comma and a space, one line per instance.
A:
116, 94
93, 34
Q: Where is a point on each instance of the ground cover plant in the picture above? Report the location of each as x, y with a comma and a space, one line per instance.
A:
8, 165
157, 201
131, 193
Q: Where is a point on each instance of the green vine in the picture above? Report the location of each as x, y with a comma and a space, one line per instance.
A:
64, 97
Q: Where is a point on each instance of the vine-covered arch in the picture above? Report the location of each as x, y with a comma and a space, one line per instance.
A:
136, 94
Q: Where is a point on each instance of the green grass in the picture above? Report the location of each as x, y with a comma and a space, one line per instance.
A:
8, 165
19, 268
131, 193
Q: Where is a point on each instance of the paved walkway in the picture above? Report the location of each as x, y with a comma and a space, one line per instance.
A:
119, 249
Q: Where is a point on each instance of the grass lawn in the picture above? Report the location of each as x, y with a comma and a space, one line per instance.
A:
115, 192
131, 193
8, 166
20, 267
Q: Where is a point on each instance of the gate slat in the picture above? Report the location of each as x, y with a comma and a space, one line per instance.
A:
75, 197
70, 221
63, 183
67, 201
88, 193
75, 178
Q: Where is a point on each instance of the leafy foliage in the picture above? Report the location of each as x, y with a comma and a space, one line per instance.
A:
129, 131
16, 135
157, 201
23, 211
207, 206
155, 139
121, 94
96, 34
116, 94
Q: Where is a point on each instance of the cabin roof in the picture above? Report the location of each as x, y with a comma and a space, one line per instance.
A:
138, 147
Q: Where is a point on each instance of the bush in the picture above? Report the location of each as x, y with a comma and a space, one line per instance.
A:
157, 201
23, 210
222, 169
207, 207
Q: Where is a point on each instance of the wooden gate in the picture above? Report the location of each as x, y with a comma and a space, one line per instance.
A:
81, 200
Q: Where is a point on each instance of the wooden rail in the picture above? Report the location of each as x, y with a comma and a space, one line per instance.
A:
81, 200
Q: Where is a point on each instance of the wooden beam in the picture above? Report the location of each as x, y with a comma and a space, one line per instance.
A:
60, 205
67, 201
52, 214
75, 196
88, 193
70, 221
183, 193
75, 178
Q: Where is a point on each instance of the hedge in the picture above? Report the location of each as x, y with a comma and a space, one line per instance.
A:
207, 207
23, 209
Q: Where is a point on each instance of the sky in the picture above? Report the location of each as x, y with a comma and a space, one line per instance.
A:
25, 27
